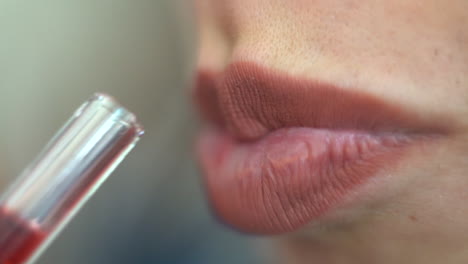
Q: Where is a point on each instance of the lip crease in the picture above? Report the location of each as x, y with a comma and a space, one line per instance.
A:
283, 151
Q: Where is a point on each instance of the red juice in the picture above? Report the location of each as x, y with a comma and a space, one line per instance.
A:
66, 173
19, 238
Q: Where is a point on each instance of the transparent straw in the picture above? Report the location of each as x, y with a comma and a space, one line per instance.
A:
66, 173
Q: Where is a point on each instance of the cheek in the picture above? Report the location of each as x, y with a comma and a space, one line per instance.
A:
432, 198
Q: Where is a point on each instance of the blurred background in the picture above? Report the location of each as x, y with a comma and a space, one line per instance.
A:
53, 56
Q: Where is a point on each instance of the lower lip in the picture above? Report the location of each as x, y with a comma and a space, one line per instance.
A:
19, 238
291, 176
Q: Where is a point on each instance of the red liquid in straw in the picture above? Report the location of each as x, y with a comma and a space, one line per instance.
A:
18, 238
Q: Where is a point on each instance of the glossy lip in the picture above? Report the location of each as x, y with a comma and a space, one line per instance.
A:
286, 151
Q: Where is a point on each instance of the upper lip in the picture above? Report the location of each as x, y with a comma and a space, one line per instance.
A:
250, 101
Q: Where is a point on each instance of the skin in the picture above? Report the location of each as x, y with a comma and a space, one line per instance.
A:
410, 52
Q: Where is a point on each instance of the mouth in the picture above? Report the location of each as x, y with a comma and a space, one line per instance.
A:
281, 152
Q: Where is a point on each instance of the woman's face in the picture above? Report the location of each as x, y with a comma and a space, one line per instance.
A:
341, 123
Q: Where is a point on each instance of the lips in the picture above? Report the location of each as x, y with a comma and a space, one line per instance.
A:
281, 152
